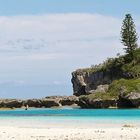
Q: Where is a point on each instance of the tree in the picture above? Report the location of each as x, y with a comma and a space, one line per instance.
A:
129, 35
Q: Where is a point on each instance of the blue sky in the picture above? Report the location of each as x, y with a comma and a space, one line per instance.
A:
110, 7
43, 41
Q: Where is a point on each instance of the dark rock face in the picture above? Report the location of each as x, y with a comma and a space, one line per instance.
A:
84, 82
86, 102
64, 100
51, 102
131, 100
71, 100
33, 103
11, 103
79, 84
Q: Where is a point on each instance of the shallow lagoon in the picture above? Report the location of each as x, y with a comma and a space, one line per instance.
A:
58, 117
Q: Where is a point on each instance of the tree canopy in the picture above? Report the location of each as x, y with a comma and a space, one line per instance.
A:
129, 35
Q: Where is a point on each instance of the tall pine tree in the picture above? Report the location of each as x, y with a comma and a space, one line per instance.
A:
129, 35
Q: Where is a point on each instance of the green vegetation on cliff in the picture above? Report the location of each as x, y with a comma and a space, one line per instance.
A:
116, 88
124, 86
122, 66
103, 96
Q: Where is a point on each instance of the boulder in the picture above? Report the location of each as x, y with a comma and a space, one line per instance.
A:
87, 102
51, 102
131, 100
69, 100
11, 103
33, 103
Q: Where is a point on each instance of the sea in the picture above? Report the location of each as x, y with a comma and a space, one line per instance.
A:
58, 117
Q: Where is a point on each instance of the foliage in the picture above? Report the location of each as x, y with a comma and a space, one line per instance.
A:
103, 96
128, 35
120, 66
115, 88
128, 86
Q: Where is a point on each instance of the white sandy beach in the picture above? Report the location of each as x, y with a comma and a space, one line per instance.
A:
15, 133
33, 130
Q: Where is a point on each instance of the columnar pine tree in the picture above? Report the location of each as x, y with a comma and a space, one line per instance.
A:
129, 35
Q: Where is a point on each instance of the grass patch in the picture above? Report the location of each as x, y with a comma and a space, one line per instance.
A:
102, 96
132, 85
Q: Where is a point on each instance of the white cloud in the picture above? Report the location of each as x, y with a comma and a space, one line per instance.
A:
72, 34
56, 32
59, 26
31, 56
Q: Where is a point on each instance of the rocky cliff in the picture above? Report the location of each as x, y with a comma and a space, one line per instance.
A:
86, 83
100, 90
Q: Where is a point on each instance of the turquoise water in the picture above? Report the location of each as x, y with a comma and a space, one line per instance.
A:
69, 113
69, 117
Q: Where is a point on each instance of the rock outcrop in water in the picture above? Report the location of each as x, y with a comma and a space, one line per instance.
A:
33, 102
10, 103
50, 101
131, 100
87, 102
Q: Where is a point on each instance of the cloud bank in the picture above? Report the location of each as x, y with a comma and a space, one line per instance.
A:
43, 30
72, 34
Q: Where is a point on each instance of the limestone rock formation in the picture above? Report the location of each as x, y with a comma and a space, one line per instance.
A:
85, 83
10, 103
33, 103
47, 102
69, 100
87, 102
131, 100
51, 102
